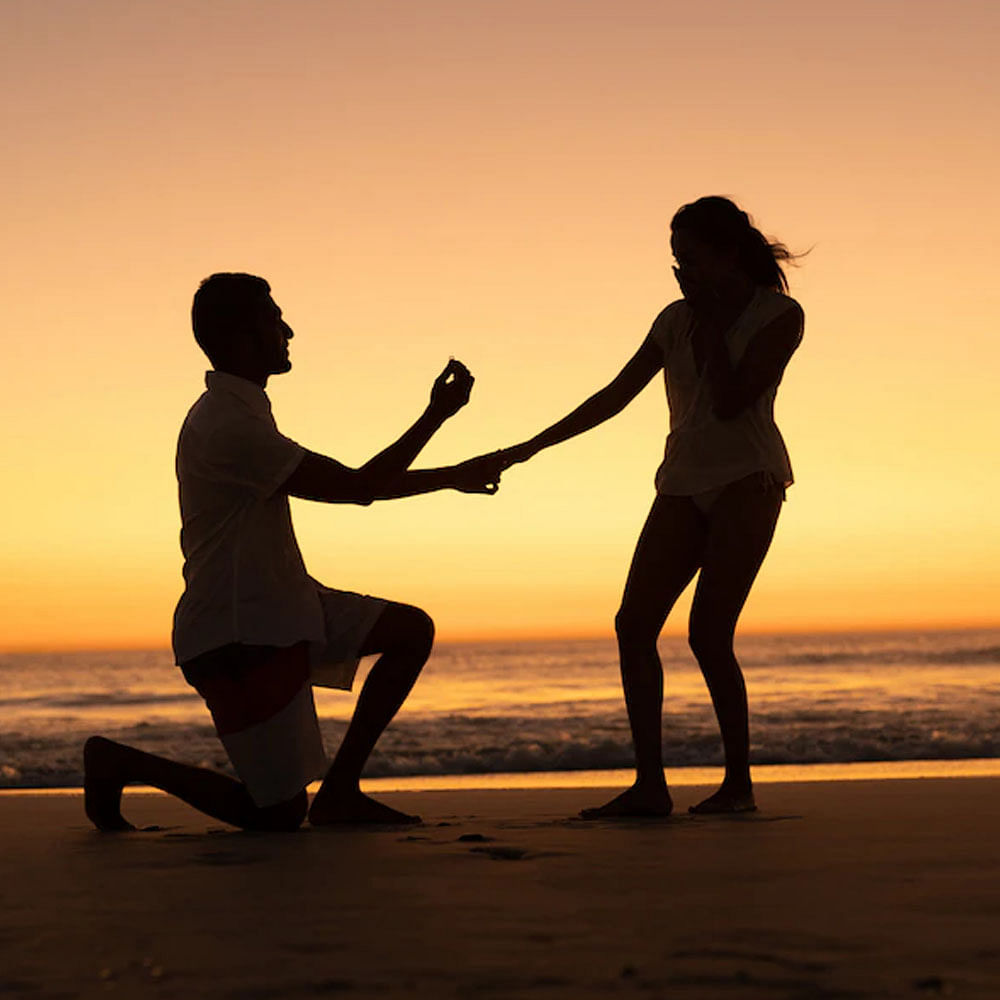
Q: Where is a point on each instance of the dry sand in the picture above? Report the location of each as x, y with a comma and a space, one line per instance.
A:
841, 889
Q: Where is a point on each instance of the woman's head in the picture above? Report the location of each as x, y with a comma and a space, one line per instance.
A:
715, 241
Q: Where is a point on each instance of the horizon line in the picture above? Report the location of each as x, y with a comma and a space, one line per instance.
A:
460, 638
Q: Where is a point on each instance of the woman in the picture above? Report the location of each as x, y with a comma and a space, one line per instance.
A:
723, 349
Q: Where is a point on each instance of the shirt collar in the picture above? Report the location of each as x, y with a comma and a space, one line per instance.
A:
251, 393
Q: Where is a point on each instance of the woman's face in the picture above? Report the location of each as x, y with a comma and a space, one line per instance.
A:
702, 271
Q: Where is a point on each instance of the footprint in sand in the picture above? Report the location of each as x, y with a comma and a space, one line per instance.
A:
500, 853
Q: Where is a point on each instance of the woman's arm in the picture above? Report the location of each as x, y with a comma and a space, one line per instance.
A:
735, 387
603, 405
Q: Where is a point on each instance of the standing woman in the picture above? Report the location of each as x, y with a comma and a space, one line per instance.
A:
723, 348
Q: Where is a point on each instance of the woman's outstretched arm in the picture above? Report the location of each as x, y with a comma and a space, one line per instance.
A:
603, 405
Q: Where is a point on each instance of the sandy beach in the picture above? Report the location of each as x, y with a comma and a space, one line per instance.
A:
834, 889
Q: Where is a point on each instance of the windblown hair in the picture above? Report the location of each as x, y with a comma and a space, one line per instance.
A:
223, 307
721, 224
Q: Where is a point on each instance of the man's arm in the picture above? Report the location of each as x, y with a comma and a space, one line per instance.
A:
450, 393
735, 387
328, 481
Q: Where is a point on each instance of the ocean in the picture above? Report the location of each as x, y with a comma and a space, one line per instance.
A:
494, 708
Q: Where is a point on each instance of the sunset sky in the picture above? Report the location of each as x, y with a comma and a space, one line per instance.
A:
494, 181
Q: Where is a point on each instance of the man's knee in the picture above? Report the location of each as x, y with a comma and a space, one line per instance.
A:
414, 627
285, 817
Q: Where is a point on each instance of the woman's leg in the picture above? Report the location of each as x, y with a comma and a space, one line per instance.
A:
666, 558
740, 528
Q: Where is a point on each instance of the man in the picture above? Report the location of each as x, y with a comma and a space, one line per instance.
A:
252, 630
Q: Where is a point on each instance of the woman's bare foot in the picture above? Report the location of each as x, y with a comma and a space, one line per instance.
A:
639, 800
352, 807
726, 800
103, 781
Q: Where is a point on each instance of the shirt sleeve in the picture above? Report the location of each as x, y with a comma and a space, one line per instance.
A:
663, 330
250, 452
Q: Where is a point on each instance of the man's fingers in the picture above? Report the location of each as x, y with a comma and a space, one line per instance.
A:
454, 368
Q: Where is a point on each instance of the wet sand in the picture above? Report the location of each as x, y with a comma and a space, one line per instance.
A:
833, 889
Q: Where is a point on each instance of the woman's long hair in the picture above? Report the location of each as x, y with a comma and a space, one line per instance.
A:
721, 224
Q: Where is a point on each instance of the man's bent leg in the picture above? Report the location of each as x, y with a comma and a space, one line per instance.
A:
403, 635
109, 766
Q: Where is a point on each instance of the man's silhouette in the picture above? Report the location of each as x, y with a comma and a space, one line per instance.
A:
252, 629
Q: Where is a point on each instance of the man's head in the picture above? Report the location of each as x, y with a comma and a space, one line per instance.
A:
239, 326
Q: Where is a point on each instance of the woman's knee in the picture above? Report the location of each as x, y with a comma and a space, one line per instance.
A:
710, 643
635, 630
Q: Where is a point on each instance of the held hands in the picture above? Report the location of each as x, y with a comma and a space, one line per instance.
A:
479, 475
451, 390
482, 474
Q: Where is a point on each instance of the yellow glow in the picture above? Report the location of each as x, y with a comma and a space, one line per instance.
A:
494, 182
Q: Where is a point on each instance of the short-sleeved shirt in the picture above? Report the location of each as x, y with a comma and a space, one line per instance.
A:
245, 580
704, 452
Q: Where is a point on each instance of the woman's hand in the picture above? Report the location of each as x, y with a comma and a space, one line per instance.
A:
451, 390
517, 453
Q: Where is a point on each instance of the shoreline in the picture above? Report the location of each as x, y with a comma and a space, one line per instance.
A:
679, 777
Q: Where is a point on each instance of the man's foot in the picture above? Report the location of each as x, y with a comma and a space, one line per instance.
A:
635, 801
103, 781
353, 807
726, 801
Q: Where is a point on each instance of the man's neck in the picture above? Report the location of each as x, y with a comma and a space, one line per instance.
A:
245, 372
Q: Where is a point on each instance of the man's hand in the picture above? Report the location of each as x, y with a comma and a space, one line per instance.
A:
451, 390
479, 475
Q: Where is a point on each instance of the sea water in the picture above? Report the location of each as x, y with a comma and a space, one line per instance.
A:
490, 708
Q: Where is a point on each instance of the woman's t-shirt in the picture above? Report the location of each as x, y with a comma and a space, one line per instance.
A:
704, 452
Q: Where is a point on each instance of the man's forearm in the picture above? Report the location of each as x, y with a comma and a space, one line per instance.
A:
412, 483
400, 454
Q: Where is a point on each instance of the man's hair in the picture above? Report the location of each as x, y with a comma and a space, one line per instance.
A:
224, 306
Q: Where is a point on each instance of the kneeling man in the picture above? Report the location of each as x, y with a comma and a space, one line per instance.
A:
253, 630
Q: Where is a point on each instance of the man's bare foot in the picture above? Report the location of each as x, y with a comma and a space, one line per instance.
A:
726, 801
353, 807
103, 781
634, 801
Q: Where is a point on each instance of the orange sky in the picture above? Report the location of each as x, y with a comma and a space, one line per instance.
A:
494, 181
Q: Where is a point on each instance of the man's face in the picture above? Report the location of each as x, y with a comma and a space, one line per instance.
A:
272, 334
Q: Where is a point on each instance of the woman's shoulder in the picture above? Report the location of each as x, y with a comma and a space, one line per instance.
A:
671, 318
773, 303
777, 316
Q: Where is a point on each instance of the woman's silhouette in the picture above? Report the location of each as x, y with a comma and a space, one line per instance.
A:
723, 348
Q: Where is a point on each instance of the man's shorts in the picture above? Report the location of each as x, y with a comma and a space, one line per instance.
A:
261, 697
262, 706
